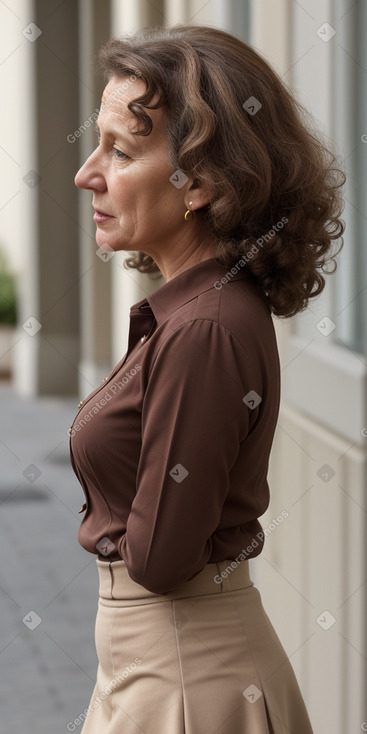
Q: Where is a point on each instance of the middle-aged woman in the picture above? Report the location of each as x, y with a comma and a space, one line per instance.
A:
206, 171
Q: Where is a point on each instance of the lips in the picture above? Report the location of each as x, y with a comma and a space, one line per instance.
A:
100, 216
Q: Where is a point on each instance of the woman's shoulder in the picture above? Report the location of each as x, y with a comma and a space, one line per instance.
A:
239, 308
232, 319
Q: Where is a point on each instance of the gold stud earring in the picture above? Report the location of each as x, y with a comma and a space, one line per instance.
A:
189, 214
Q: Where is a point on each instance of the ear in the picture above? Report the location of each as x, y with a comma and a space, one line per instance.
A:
199, 194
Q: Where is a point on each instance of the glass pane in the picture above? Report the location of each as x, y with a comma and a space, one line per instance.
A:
350, 131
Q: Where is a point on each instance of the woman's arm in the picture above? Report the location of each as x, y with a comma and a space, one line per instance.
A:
193, 421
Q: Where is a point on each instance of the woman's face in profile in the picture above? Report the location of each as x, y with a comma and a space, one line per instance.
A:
136, 205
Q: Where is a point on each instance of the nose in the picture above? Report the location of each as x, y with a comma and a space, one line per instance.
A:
88, 176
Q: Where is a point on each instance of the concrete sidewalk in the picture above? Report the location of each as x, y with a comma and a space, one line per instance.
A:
48, 662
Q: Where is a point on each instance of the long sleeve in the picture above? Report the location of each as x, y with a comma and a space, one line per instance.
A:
172, 449
194, 419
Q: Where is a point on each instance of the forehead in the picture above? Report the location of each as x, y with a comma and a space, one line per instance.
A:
120, 90
115, 98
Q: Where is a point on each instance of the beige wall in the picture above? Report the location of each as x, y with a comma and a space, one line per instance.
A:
312, 571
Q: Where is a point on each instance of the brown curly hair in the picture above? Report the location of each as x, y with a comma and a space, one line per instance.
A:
235, 126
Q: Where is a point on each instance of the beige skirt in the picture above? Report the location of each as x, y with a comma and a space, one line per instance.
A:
202, 659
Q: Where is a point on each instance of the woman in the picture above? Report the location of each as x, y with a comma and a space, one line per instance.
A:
206, 170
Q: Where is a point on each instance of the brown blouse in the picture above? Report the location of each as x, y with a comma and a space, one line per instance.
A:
172, 448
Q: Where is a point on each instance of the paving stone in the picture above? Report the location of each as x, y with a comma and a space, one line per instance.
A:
47, 673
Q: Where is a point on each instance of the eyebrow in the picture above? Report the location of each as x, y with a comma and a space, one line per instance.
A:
117, 134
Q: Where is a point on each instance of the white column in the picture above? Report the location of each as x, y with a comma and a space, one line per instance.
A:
129, 15
126, 16
21, 66
175, 11
46, 351
270, 35
270, 31
95, 282
199, 12
128, 286
221, 14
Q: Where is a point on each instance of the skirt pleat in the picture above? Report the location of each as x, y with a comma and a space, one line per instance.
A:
204, 659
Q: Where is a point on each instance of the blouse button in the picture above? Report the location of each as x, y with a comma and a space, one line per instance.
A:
143, 338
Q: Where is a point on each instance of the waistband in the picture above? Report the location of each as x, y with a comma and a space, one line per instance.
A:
116, 588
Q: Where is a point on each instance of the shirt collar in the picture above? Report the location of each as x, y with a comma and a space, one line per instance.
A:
204, 276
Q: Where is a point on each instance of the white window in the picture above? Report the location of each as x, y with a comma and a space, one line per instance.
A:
327, 347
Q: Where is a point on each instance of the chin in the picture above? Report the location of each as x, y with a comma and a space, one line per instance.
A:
105, 241
103, 245
111, 246
113, 241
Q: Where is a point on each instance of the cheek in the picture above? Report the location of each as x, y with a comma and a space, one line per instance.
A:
128, 188
143, 192
137, 199
121, 189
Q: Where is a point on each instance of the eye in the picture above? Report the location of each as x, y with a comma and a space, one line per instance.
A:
119, 154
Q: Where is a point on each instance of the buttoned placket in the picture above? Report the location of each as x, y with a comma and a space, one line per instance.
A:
141, 320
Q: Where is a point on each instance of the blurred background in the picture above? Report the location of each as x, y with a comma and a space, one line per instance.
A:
64, 318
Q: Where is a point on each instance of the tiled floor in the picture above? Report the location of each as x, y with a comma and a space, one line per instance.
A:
47, 667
